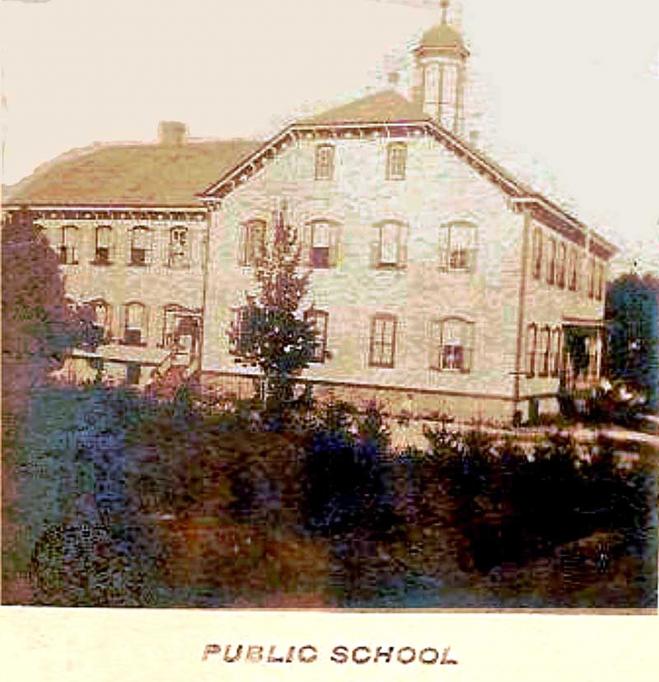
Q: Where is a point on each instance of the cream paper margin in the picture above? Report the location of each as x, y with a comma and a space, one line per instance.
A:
95, 645
53, 645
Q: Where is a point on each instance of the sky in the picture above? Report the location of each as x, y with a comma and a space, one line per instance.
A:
563, 92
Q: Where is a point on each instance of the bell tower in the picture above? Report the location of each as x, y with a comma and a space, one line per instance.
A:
439, 73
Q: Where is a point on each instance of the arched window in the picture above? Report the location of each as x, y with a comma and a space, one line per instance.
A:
390, 249
68, 251
140, 246
531, 344
452, 345
537, 253
252, 242
103, 251
396, 161
318, 320
324, 162
458, 247
599, 283
179, 247
573, 269
135, 324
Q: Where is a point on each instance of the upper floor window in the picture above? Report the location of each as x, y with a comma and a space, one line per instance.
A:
324, 162
252, 242
544, 352
382, 348
537, 253
551, 261
390, 250
396, 161
573, 269
135, 324
453, 345
68, 250
179, 247
103, 251
323, 242
318, 320
560, 265
457, 247
531, 348
140, 246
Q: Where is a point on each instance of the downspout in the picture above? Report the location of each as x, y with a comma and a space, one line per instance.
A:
520, 309
204, 286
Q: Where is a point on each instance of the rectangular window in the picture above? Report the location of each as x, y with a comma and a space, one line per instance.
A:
383, 341
560, 265
242, 330
457, 247
103, 254
573, 282
320, 245
324, 162
591, 277
396, 161
68, 254
133, 372
252, 243
537, 253
556, 352
544, 352
551, 261
599, 284
140, 246
318, 319
455, 345
179, 248
134, 327
390, 249
531, 341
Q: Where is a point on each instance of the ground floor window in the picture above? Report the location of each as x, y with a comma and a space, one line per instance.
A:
133, 373
453, 344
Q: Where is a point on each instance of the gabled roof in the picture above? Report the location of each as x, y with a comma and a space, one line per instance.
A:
130, 174
386, 106
390, 110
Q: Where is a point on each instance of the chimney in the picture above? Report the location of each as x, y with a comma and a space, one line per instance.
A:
172, 133
474, 137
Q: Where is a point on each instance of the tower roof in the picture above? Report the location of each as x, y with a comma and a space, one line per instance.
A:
443, 36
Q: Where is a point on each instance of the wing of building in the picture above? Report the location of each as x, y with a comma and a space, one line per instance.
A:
441, 283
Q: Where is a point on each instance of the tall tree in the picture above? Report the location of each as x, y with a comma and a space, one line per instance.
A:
632, 311
271, 331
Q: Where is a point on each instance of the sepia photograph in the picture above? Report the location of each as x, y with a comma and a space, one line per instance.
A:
330, 305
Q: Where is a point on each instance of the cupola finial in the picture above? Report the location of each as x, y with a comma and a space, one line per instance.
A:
444, 7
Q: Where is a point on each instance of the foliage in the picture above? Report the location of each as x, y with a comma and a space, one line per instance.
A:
632, 311
271, 334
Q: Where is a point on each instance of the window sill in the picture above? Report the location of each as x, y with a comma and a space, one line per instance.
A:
390, 266
371, 364
142, 344
131, 264
101, 263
